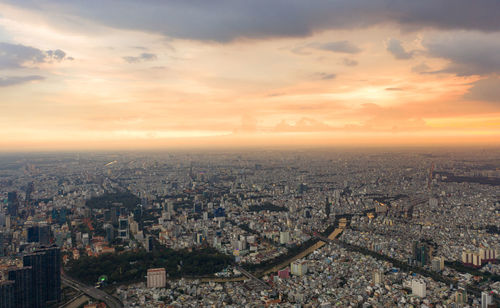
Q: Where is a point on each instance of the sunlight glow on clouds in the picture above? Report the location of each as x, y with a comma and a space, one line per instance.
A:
90, 76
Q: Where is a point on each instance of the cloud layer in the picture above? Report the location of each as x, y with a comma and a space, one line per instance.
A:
227, 20
469, 53
13, 80
18, 56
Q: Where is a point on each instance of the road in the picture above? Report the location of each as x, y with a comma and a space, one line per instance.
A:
92, 292
259, 284
304, 253
76, 302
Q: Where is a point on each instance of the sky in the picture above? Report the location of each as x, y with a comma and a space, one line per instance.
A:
149, 74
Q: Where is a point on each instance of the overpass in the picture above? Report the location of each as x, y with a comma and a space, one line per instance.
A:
257, 283
91, 291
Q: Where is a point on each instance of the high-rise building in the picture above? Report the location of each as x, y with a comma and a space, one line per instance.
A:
110, 232
421, 254
23, 286
2, 245
33, 234
487, 255
38, 288
486, 299
46, 267
123, 228
39, 234
418, 288
284, 237
29, 190
107, 215
53, 272
7, 289
437, 264
327, 207
156, 278
299, 268
461, 297
378, 277
115, 213
12, 204
149, 243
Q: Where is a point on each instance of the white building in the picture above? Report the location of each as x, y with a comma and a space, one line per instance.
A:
418, 288
378, 277
299, 268
156, 278
284, 237
486, 299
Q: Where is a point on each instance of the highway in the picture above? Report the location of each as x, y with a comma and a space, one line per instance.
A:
97, 294
259, 284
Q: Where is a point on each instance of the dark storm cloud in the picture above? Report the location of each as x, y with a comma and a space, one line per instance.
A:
141, 57
17, 55
469, 53
487, 90
397, 50
226, 20
11, 81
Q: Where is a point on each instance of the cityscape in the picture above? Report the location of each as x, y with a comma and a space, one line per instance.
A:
250, 153
312, 228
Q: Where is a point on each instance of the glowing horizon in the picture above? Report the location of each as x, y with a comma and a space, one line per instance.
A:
90, 76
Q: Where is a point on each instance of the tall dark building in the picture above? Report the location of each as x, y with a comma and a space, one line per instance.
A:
37, 262
2, 245
7, 294
420, 253
53, 272
327, 207
149, 243
44, 235
39, 234
110, 232
23, 286
46, 264
107, 215
29, 190
12, 203
33, 234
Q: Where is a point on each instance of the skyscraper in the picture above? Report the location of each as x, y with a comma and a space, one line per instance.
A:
486, 299
29, 190
46, 264
33, 234
44, 235
327, 207
7, 294
39, 234
12, 203
38, 286
420, 253
110, 232
123, 228
52, 272
22, 287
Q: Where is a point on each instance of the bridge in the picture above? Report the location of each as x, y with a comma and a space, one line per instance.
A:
256, 283
97, 294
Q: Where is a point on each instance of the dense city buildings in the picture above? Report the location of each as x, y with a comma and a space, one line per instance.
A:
279, 228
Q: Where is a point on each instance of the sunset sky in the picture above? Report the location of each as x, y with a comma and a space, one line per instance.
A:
102, 74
